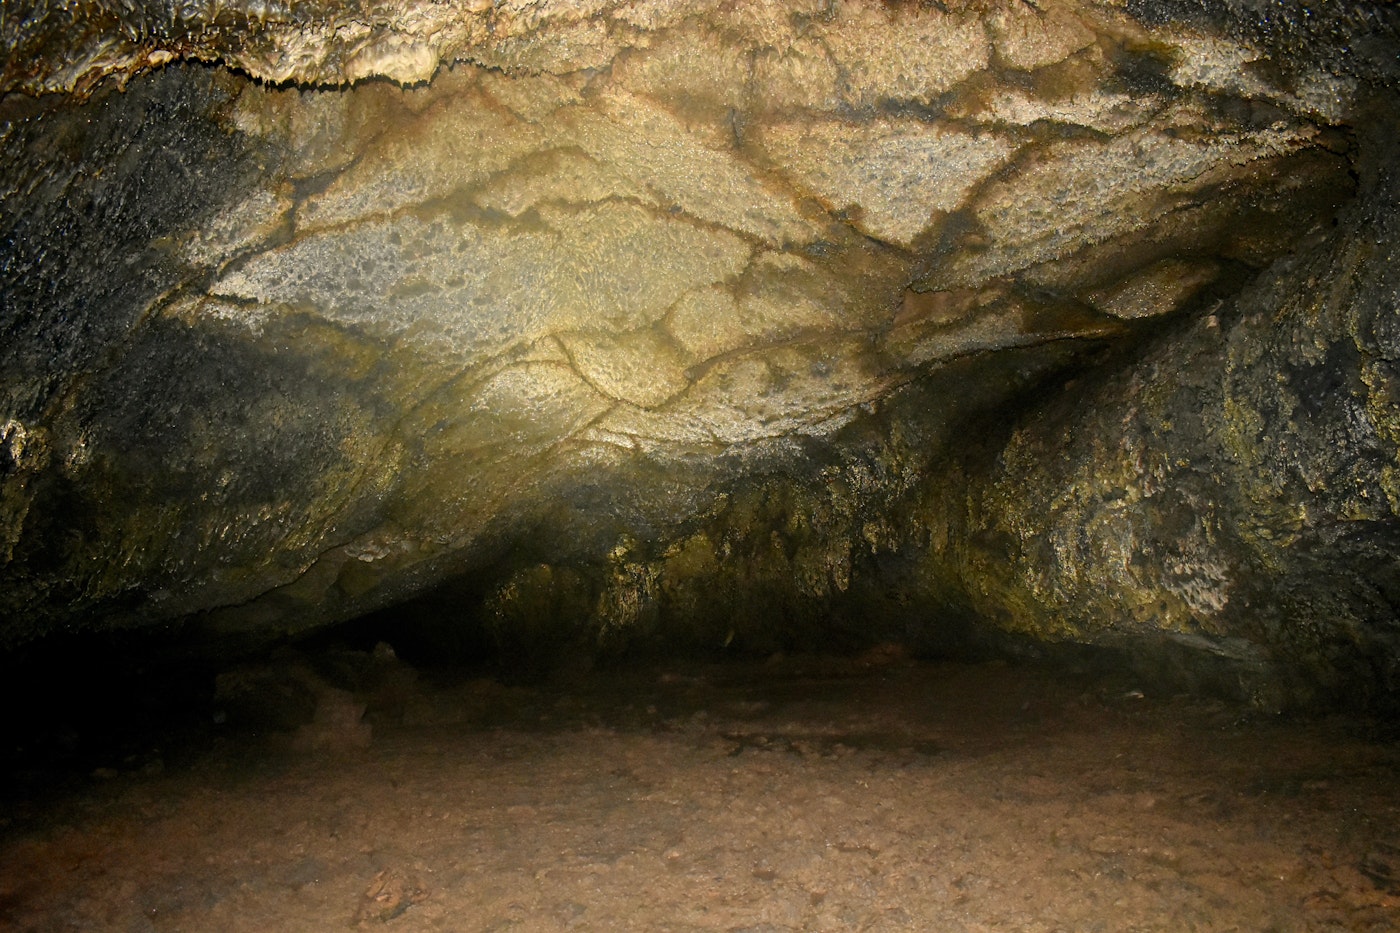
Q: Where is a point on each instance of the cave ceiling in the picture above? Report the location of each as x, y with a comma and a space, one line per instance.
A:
699, 321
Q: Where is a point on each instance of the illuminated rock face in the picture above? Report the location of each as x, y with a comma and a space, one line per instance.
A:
699, 323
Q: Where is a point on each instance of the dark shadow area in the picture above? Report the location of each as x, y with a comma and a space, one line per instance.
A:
92, 706
134, 705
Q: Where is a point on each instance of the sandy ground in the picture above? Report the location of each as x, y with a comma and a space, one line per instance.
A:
800, 794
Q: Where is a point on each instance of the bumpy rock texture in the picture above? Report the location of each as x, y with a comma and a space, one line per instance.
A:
760, 324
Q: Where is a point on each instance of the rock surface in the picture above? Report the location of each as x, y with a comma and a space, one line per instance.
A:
710, 325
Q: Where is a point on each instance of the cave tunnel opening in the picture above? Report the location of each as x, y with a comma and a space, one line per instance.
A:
678, 466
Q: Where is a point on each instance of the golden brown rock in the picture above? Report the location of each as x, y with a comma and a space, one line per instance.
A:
675, 297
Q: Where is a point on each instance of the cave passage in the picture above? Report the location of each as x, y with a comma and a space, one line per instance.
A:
673, 465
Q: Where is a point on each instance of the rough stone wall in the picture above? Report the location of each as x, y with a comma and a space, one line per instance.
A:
700, 322
1234, 487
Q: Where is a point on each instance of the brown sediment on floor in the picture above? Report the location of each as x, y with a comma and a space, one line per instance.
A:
803, 794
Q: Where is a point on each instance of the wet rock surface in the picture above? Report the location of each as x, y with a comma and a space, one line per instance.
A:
677, 324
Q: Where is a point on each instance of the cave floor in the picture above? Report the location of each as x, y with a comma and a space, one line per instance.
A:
800, 794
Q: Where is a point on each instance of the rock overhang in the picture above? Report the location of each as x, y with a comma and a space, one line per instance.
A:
694, 323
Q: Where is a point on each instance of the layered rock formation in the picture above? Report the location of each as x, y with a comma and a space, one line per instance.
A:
755, 325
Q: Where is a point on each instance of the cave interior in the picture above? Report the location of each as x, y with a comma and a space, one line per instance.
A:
680, 465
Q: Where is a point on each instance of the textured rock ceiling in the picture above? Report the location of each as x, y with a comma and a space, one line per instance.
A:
769, 322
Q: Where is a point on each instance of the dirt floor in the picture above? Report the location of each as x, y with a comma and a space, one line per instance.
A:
797, 794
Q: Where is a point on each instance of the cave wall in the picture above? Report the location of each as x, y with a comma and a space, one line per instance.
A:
770, 326
1233, 488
